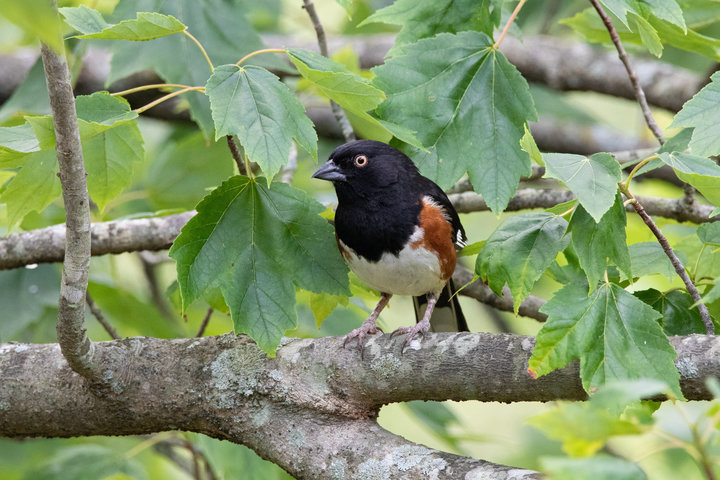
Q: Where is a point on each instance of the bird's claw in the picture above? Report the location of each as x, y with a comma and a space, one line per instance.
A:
411, 333
366, 328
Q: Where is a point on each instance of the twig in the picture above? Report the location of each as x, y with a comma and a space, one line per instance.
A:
76, 347
507, 25
167, 448
236, 155
289, 170
639, 93
204, 323
97, 313
340, 116
148, 265
689, 285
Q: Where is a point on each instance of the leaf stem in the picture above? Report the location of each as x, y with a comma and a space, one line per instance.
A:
202, 49
689, 285
168, 97
258, 52
507, 25
142, 88
568, 211
639, 93
638, 167
697, 262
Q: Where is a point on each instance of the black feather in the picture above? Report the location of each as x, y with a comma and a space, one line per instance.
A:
379, 204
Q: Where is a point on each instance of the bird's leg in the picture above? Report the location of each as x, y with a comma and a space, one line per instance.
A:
422, 326
369, 326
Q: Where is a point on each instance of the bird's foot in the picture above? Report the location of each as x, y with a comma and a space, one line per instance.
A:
367, 328
411, 332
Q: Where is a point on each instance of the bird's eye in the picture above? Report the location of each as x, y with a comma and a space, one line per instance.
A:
361, 160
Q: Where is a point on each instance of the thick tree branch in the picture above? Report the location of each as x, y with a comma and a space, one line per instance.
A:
207, 384
76, 347
311, 409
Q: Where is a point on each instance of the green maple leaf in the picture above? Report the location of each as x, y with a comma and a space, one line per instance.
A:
596, 243
219, 25
15, 143
700, 172
678, 315
592, 179
520, 251
614, 334
427, 18
701, 112
469, 107
34, 187
255, 105
112, 146
349, 90
648, 258
147, 26
254, 244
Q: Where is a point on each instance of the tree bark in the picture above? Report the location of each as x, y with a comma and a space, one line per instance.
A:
310, 409
76, 346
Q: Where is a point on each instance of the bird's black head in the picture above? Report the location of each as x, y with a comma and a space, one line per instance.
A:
364, 167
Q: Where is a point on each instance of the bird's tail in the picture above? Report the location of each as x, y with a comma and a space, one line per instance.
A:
447, 316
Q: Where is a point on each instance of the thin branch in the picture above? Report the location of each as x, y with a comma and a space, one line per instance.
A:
237, 156
46, 245
682, 273
204, 323
639, 93
76, 346
97, 313
148, 265
340, 116
530, 307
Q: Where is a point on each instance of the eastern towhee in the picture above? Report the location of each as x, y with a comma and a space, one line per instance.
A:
398, 232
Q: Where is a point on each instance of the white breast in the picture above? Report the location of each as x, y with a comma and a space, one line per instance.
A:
413, 271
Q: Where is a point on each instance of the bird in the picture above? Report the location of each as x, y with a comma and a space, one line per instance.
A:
398, 232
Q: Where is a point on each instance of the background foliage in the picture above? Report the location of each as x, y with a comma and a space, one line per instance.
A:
457, 106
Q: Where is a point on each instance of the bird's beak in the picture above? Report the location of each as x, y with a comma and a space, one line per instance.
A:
330, 172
